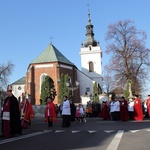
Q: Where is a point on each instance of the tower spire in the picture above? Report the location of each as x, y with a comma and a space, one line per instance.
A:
89, 19
89, 32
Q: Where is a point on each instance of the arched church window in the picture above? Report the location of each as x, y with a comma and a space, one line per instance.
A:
91, 67
42, 78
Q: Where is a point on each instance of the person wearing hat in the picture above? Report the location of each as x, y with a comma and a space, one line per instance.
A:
11, 124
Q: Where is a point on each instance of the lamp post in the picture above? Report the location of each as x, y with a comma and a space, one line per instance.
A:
71, 87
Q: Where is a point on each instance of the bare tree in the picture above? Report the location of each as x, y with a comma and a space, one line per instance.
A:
109, 83
130, 57
5, 71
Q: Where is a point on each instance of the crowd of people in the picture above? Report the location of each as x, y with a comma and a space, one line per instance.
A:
124, 110
17, 115
93, 109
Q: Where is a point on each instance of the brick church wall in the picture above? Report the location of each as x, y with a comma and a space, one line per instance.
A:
33, 80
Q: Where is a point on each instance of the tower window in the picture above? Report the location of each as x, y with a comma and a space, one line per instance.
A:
90, 48
91, 67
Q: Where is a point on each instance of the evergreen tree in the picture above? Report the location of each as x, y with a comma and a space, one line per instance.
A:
47, 90
63, 89
95, 92
68, 91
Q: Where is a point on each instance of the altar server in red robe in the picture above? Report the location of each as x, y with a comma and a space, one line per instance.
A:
138, 113
26, 113
11, 124
105, 111
124, 116
50, 112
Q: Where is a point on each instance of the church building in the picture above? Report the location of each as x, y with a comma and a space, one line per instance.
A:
51, 62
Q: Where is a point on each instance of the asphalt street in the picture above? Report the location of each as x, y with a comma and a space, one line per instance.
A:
95, 134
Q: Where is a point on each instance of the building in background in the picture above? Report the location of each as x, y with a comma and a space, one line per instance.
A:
19, 88
53, 63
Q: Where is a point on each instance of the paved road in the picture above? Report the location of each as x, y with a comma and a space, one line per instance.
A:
96, 134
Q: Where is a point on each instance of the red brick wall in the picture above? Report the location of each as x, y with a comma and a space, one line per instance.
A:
33, 80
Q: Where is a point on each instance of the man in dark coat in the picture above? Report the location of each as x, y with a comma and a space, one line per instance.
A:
11, 124
73, 111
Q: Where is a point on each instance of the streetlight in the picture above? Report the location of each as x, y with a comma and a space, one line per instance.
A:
72, 88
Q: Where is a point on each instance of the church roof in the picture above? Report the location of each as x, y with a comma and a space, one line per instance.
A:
20, 81
51, 54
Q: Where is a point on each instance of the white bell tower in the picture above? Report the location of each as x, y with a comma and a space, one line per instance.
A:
91, 55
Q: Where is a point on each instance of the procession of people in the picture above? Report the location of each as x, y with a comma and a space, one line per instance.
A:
124, 110
16, 115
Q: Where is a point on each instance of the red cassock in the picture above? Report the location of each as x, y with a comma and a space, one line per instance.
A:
50, 111
26, 113
138, 113
27, 110
124, 116
6, 123
105, 112
148, 106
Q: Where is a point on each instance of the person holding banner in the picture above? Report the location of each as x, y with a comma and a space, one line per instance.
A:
26, 113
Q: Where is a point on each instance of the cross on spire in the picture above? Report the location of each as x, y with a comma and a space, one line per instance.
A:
89, 12
88, 6
51, 39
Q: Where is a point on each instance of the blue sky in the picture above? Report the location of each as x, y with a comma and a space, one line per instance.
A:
27, 25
